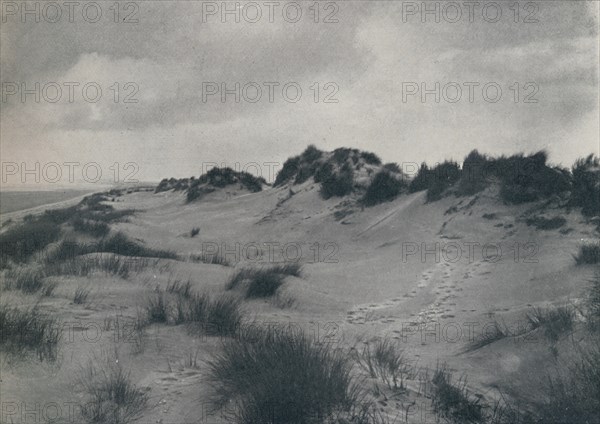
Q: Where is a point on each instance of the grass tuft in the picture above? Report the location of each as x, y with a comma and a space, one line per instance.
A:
282, 377
27, 330
111, 395
554, 321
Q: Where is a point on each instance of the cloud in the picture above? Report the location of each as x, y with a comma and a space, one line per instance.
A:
170, 53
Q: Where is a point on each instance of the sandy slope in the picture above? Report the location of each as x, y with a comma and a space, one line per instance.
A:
358, 285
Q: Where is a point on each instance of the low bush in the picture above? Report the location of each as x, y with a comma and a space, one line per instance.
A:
81, 295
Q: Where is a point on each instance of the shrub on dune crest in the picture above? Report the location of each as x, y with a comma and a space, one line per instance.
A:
383, 188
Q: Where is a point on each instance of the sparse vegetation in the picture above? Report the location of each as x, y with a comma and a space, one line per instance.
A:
111, 395
282, 377
28, 280
453, 400
573, 393
195, 231
589, 253
180, 288
109, 264
81, 295
490, 334
554, 320
385, 360
220, 316
209, 258
27, 330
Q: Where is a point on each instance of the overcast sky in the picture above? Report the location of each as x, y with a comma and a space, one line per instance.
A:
367, 57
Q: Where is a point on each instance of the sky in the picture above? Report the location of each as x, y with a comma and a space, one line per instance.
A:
147, 84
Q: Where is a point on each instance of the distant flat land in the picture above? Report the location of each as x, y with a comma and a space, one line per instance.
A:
11, 201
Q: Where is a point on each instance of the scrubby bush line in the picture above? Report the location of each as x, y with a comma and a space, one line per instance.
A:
35, 233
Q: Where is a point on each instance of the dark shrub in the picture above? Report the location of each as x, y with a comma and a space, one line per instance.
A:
370, 158
339, 184
195, 231
474, 174
527, 178
305, 171
341, 155
288, 171
392, 167
542, 223
250, 182
586, 185
383, 188
311, 154
264, 285
422, 180
324, 172
444, 176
